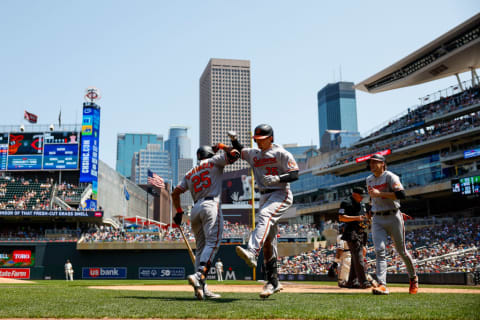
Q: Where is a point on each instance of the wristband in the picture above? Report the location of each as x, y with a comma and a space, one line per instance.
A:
179, 210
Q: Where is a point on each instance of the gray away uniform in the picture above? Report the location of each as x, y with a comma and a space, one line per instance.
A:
388, 220
205, 184
274, 199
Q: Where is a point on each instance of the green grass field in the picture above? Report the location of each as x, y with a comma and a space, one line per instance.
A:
61, 299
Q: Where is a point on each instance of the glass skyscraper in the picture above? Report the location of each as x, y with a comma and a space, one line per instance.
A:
178, 145
153, 157
128, 144
337, 110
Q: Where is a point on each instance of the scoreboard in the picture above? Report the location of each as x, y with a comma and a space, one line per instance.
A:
39, 151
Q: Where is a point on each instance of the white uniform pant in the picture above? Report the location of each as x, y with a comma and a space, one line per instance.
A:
272, 206
344, 267
219, 275
69, 275
391, 225
207, 226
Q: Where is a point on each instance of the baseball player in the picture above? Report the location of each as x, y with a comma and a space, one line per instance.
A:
68, 271
273, 169
219, 268
205, 184
343, 260
385, 190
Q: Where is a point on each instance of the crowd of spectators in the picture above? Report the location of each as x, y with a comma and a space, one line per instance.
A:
45, 232
21, 193
420, 134
442, 248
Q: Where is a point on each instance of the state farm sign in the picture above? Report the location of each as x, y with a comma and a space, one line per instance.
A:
15, 273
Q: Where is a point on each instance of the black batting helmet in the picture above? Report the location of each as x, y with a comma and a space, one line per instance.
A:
204, 152
376, 157
263, 131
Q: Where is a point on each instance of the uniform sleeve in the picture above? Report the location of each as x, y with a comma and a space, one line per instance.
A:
291, 163
245, 155
394, 182
183, 185
220, 159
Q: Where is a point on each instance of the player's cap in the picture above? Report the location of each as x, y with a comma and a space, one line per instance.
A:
377, 157
263, 131
358, 190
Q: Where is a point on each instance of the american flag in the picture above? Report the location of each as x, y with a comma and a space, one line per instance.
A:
155, 179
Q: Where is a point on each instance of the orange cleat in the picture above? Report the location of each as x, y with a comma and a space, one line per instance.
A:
413, 285
380, 290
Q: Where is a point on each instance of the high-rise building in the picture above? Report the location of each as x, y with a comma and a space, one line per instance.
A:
225, 103
184, 165
337, 110
154, 158
128, 144
178, 145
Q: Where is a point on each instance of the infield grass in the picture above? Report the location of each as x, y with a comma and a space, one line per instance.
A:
61, 299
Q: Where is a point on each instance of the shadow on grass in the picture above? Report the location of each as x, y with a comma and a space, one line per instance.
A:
177, 299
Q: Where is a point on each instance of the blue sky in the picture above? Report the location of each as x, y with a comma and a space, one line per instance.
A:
146, 57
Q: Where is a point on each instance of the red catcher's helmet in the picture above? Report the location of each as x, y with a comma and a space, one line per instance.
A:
263, 131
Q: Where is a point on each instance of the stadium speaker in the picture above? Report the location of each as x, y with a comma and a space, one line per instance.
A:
22, 128
52, 127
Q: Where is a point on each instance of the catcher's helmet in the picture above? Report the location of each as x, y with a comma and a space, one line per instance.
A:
204, 152
263, 131
376, 157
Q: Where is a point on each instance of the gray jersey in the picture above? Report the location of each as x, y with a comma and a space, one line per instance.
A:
205, 180
274, 161
387, 182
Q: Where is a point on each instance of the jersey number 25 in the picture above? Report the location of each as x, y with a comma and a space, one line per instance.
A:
201, 182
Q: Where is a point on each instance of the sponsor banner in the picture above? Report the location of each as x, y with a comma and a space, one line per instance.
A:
104, 273
15, 273
90, 143
164, 273
50, 213
471, 153
14, 257
368, 156
232, 241
291, 239
417, 124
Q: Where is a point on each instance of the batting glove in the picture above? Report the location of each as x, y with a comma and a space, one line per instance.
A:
178, 218
232, 134
269, 180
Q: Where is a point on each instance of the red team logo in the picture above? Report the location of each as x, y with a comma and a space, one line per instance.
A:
94, 272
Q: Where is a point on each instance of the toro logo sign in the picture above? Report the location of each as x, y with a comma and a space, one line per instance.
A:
16, 273
104, 273
22, 256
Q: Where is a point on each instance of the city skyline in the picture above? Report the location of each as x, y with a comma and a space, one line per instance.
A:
147, 58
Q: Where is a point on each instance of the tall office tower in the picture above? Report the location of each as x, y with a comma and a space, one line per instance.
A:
154, 158
225, 103
337, 110
178, 145
184, 165
128, 144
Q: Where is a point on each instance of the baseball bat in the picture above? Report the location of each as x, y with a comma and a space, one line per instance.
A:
190, 251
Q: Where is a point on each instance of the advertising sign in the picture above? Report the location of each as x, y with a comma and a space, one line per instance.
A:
471, 153
50, 213
164, 273
16, 258
385, 152
104, 273
39, 150
15, 273
90, 143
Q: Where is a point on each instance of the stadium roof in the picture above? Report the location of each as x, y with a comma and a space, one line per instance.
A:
454, 52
